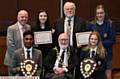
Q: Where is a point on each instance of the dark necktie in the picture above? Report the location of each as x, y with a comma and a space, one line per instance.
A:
62, 56
69, 22
28, 54
93, 53
69, 29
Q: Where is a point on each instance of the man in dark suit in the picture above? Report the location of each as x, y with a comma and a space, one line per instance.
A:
21, 54
59, 63
15, 36
70, 24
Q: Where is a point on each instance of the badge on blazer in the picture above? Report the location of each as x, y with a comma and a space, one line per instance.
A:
87, 67
28, 67
99, 63
105, 35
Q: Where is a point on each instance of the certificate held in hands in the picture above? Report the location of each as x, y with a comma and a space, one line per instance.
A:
82, 38
44, 37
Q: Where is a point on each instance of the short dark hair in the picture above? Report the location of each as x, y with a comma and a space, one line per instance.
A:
28, 32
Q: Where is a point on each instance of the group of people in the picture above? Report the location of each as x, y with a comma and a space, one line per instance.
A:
64, 55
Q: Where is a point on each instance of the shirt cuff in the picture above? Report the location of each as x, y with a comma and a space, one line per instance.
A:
54, 68
66, 70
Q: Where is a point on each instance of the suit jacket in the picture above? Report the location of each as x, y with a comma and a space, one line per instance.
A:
13, 41
79, 26
19, 56
51, 59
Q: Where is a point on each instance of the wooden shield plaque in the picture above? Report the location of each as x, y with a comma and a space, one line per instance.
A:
87, 67
28, 67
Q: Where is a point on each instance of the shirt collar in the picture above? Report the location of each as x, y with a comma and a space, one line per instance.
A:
63, 49
94, 49
21, 26
100, 22
66, 18
25, 49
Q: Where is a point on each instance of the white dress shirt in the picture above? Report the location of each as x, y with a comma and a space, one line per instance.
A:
93, 49
21, 32
66, 27
25, 52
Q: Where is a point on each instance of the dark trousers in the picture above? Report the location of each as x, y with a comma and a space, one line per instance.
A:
58, 76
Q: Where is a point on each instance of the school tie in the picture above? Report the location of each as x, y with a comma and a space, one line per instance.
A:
93, 53
62, 55
28, 54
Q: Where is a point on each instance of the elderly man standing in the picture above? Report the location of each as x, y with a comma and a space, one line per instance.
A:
59, 62
15, 36
70, 24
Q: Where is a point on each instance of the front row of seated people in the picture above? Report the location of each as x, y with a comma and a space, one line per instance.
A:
61, 60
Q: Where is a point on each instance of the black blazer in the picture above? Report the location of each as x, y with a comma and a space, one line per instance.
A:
52, 56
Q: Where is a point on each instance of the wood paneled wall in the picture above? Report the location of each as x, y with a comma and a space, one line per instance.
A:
85, 9
116, 53
3, 68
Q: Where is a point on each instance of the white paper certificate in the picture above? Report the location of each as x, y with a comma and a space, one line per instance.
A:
82, 38
44, 37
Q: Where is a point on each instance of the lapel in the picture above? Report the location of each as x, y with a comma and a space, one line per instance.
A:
18, 33
22, 54
17, 30
96, 56
34, 54
75, 25
62, 24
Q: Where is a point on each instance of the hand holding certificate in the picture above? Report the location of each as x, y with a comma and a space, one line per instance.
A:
82, 38
44, 37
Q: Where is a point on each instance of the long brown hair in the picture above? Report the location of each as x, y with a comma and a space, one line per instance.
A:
100, 48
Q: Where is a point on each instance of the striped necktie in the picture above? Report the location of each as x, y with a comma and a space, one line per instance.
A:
93, 53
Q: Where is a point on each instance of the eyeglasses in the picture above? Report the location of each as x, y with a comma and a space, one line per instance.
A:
100, 12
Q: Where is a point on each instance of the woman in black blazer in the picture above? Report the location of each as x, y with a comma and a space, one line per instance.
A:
103, 65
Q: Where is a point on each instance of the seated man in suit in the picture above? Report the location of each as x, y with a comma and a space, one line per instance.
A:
59, 62
22, 54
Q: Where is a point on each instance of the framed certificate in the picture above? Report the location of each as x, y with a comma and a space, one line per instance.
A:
82, 38
44, 37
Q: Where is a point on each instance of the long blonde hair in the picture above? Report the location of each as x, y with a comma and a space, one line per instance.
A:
100, 48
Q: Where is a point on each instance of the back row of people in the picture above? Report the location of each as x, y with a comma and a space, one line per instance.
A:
70, 24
